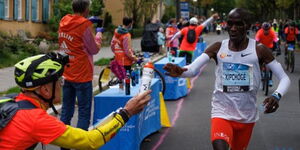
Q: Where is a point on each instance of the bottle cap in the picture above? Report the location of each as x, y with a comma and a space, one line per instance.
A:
149, 65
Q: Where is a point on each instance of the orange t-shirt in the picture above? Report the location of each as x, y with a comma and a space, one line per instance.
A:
267, 40
29, 127
185, 45
291, 33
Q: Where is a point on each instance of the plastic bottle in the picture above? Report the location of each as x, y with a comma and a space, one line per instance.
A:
138, 73
127, 83
169, 54
146, 57
133, 76
148, 74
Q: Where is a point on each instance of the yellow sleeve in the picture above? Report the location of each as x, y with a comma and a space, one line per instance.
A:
76, 138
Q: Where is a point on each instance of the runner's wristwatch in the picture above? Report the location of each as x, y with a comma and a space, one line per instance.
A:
277, 96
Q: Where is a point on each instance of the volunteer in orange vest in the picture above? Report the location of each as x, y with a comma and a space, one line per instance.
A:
121, 44
76, 38
188, 46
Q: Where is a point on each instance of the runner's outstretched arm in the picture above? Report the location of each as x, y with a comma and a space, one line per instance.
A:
210, 19
177, 35
194, 68
284, 81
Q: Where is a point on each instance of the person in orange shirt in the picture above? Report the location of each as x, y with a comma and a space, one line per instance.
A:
27, 122
267, 36
291, 33
76, 38
189, 41
170, 32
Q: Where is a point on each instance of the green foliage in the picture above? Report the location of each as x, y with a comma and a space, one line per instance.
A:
140, 10
170, 12
14, 49
96, 7
103, 61
15, 89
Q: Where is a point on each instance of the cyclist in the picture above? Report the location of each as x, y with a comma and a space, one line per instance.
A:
40, 78
277, 44
267, 36
234, 110
121, 44
187, 46
291, 35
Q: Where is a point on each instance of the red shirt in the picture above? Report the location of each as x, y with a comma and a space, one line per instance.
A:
267, 40
185, 45
291, 33
29, 127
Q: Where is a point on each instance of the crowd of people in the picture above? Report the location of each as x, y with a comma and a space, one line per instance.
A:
234, 109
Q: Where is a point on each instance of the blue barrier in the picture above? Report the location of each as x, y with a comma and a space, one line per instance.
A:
175, 87
139, 126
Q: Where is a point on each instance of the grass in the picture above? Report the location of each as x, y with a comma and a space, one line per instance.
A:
103, 61
15, 89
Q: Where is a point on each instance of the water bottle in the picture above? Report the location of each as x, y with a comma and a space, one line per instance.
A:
169, 54
127, 83
146, 57
133, 76
138, 73
98, 37
148, 74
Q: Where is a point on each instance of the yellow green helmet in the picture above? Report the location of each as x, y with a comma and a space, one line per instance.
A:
40, 69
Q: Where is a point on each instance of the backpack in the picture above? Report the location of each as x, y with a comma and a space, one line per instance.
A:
9, 107
191, 36
149, 42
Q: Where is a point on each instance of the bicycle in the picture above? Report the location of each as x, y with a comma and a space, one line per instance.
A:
290, 58
108, 79
266, 78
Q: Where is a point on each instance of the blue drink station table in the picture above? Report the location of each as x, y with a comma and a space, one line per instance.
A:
139, 126
175, 87
199, 49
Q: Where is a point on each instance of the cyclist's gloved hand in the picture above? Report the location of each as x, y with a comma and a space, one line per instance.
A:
173, 70
271, 104
94, 19
99, 29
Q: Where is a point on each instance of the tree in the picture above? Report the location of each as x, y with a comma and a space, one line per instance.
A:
140, 10
96, 7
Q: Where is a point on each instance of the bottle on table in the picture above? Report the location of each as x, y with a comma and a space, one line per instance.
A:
127, 83
148, 74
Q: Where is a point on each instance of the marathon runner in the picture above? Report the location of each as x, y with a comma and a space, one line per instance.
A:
234, 109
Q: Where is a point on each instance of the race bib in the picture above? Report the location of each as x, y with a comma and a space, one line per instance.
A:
291, 47
237, 77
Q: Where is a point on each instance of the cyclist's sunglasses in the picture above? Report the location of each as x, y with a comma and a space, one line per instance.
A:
236, 23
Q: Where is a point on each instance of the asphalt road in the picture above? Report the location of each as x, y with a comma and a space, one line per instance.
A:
190, 117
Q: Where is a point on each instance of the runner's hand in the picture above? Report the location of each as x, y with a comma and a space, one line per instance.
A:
271, 104
215, 16
174, 70
137, 103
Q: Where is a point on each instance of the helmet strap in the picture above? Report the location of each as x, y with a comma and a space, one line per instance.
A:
50, 100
